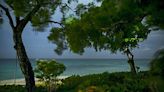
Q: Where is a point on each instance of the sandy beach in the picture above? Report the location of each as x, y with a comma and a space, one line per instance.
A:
22, 81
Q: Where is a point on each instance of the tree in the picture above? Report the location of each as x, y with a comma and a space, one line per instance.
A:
115, 25
154, 10
19, 14
48, 70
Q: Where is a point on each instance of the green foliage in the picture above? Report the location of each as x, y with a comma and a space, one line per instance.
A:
115, 25
105, 82
81, 8
59, 40
157, 64
7, 88
69, 20
70, 84
19, 88
23, 7
42, 16
69, 1
155, 9
157, 71
47, 70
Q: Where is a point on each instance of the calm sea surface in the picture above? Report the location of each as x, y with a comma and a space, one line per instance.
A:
9, 68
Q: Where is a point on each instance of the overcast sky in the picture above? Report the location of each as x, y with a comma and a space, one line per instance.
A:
38, 46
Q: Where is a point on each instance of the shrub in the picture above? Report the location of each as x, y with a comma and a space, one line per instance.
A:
105, 82
157, 64
48, 70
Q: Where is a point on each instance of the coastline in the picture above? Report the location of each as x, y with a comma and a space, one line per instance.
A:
21, 81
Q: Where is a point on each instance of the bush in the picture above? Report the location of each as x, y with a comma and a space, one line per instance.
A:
47, 71
19, 88
105, 82
12, 88
157, 64
70, 84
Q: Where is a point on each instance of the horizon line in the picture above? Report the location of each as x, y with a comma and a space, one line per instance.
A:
78, 58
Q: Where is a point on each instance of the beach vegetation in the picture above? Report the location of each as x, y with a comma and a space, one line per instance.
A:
20, 88
47, 71
157, 65
157, 71
104, 82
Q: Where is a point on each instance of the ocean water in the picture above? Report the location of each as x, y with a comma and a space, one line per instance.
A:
9, 68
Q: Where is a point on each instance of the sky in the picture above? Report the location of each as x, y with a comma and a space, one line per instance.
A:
38, 46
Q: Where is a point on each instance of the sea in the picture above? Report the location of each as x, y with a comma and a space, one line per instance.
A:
9, 68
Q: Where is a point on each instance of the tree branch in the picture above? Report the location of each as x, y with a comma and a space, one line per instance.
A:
50, 21
28, 17
65, 4
30, 14
8, 15
127, 51
112, 26
17, 19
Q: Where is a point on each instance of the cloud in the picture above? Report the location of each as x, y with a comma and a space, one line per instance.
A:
146, 49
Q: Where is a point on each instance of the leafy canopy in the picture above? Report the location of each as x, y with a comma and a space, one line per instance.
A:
115, 25
155, 13
47, 70
24, 10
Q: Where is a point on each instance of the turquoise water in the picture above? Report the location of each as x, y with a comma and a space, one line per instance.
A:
9, 68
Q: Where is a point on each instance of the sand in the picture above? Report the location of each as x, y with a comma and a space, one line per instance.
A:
22, 81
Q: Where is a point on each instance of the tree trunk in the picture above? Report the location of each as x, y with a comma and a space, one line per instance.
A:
131, 61
132, 66
24, 62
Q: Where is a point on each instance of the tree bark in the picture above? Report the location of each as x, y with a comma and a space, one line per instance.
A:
132, 66
24, 62
23, 59
131, 61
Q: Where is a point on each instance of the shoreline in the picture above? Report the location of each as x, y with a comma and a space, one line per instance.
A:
21, 81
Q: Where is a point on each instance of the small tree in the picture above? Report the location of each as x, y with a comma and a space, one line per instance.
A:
48, 70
